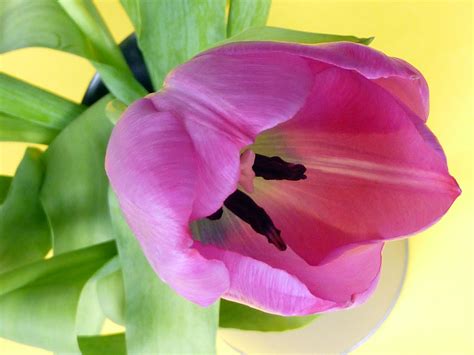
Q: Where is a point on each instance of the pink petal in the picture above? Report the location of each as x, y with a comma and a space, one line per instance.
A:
152, 163
397, 76
174, 157
238, 95
282, 282
375, 171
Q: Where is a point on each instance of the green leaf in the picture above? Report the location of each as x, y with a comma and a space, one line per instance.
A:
29, 113
285, 35
24, 231
38, 301
236, 315
171, 32
19, 130
244, 14
113, 344
74, 192
44, 23
158, 321
5, 182
111, 294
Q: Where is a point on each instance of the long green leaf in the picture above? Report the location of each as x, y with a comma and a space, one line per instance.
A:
158, 321
34, 104
74, 192
110, 292
24, 231
5, 182
39, 301
171, 32
285, 35
15, 129
31, 114
244, 14
238, 316
113, 344
44, 23
90, 314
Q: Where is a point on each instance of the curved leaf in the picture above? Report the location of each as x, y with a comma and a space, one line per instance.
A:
29, 113
238, 316
113, 344
111, 294
286, 35
158, 321
244, 14
16, 129
44, 23
39, 301
24, 231
171, 32
74, 192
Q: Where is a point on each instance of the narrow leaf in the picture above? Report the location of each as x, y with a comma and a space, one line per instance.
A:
238, 316
74, 192
171, 32
44, 23
33, 104
5, 182
24, 231
158, 321
19, 130
39, 301
244, 14
285, 35
111, 294
103, 344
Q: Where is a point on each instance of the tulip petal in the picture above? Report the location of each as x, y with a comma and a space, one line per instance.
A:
375, 171
152, 163
398, 77
282, 282
239, 95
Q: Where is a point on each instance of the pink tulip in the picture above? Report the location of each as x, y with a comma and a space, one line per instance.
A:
327, 148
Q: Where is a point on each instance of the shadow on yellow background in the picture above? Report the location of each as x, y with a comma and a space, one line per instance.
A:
435, 312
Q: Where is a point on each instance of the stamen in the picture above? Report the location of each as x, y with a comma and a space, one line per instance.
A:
275, 168
247, 210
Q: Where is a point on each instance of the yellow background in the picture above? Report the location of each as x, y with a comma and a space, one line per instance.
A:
435, 312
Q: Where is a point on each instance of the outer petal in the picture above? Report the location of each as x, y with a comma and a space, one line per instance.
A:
240, 95
397, 76
151, 163
282, 282
174, 157
375, 172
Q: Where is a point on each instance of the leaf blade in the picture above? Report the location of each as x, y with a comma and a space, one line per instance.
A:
44, 23
277, 34
24, 230
103, 344
16, 129
39, 301
34, 104
244, 14
237, 316
185, 28
155, 314
74, 192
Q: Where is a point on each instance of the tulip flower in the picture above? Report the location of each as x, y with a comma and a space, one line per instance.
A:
271, 174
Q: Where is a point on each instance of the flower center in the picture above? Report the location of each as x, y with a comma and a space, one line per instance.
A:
242, 205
